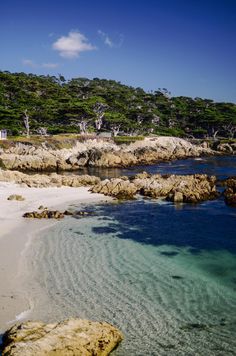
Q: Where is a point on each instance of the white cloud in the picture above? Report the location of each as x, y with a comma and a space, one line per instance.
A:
106, 39
50, 65
32, 64
117, 43
29, 63
72, 45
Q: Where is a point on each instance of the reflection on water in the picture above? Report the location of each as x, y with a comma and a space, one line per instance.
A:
207, 226
222, 167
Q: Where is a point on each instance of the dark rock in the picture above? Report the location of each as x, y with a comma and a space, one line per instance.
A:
41, 207
16, 197
194, 326
176, 277
68, 213
46, 214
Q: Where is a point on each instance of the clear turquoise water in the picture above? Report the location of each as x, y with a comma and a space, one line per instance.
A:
165, 275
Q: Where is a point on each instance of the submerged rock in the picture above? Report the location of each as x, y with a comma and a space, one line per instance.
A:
73, 337
195, 326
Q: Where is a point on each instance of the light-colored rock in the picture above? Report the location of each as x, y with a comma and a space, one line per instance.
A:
93, 153
52, 180
178, 197
225, 147
230, 191
73, 337
116, 187
177, 188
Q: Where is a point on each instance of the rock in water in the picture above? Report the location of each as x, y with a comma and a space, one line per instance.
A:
230, 191
73, 337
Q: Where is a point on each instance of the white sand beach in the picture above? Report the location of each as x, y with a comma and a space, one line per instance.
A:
15, 233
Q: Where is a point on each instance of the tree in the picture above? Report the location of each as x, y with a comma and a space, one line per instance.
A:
99, 110
26, 122
230, 129
57, 105
115, 121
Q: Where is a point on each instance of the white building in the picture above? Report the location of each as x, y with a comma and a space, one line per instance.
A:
3, 134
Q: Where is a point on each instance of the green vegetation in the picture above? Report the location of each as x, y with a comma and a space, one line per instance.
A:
127, 139
42, 105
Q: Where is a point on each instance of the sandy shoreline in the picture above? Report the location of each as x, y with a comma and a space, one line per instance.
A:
15, 235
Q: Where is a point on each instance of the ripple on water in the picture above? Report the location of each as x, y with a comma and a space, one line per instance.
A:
159, 296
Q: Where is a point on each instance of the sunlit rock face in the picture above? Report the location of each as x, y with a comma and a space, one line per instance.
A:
70, 337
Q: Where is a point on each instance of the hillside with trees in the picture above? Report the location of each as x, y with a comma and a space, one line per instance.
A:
31, 104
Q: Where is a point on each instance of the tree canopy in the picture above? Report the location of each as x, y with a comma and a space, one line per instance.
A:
54, 105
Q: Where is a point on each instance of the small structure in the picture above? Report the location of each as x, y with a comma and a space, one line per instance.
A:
3, 134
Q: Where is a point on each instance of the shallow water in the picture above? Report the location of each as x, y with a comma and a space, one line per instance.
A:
164, 274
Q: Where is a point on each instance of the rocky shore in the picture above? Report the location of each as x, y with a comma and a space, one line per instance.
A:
95, 153
176, 188
70, 337
43, 180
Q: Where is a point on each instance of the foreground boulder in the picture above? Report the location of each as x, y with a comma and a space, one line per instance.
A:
73, 337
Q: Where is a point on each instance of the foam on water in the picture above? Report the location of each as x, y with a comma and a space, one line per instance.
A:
165, 298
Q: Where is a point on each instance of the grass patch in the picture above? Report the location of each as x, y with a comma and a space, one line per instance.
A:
127, 139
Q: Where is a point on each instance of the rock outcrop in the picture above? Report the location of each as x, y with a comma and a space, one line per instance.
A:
73, 337
227, 148
45, 214
52, 180
230, 191
176, 188
16, 197
94, 153
116, 187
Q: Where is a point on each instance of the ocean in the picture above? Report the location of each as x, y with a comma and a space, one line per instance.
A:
164, 274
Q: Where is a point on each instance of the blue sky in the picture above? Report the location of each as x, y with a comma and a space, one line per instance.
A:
188, 47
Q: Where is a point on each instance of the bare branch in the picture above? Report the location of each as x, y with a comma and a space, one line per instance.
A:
26, 123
